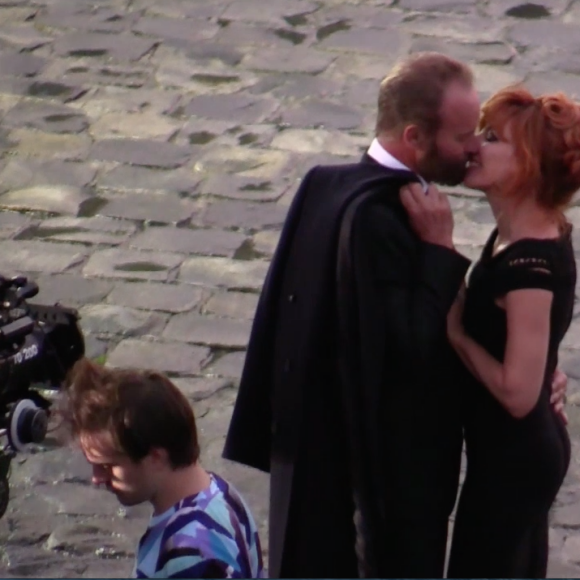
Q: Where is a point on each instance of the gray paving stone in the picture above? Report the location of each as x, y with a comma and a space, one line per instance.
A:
282, 60
32, 256
23, 36
22, 173
12, 223
176, 31
46, 117
198, 389
162, 356
215, 332
571, 549
463, 28
94, 230
526, 10
301, 86
141, 152
241, 305
63, 199
90, 538
89, 44
445, 6
241, 35
64, 92
134, 126
266, 242
483, 52
116, 263
162, 297
110, 319
390, 41
70, 290
242, 215
224, 273
253, 10
179, 9
242, 109
128, 177
31, 143
313, 141
74, 499
150, 207
22, 65
229, 365
531, 33
242, 188
323, 114
189, 241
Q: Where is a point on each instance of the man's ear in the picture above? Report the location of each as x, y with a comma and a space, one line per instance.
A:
158, 456
414, 138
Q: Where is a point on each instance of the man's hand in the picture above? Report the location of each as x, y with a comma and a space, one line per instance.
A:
429, 213
558, 397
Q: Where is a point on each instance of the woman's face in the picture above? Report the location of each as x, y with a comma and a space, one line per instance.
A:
495, 165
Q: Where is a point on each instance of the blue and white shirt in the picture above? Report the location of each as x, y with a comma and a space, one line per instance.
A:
211, 534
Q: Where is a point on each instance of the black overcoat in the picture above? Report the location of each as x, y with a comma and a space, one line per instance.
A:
346, 397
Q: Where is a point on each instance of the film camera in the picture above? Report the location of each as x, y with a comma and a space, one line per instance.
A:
38, 346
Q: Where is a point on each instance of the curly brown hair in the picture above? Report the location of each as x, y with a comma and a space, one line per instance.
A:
545, 133
141, 410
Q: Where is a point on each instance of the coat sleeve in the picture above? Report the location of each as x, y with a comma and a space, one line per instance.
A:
416, 284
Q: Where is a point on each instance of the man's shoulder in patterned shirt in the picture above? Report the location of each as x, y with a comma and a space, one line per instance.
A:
211, 534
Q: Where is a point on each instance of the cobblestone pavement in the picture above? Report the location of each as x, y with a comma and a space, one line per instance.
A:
149, 152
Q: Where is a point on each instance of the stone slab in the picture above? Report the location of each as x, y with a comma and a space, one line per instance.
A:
141, 152
213, 332
49, 198
168, 208
43, 257
90, 44
22, 173
206, 242
111, 319
93, 230
161, 356
117, 263
224, 273
241, 215
162, 297
240, 305
70, 289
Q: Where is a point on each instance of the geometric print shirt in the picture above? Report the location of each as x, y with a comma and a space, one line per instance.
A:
211, 534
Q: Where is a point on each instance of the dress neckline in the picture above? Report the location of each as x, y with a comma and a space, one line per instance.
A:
488, 249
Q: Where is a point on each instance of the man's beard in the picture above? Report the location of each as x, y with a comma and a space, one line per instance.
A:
439, 169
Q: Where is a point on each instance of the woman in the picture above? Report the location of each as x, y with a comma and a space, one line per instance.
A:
506, 328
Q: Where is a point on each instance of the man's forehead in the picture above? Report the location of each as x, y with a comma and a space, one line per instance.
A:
98, 447
460, 107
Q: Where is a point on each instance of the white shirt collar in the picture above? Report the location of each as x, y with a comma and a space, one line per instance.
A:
383, 157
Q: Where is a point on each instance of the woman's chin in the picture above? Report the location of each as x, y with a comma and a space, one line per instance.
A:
472, 182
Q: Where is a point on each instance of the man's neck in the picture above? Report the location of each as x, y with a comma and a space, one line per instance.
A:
397, 150
179, 484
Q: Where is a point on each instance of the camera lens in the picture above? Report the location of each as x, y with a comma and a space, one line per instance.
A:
32, 426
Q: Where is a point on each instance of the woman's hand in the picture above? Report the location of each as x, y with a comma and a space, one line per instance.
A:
429, 214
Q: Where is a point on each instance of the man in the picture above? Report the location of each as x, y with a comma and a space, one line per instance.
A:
138, 432
348, 394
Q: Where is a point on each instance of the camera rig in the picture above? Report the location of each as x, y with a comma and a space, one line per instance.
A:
38, 346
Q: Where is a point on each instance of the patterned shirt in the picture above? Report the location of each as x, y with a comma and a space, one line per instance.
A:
207, 535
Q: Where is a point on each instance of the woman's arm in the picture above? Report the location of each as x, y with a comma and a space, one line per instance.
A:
516, 383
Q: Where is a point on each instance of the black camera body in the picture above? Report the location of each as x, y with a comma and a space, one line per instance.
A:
38, 346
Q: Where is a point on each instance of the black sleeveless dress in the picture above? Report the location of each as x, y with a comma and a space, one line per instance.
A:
515, 466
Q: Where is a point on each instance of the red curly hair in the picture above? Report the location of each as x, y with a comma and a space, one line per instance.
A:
545, 132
